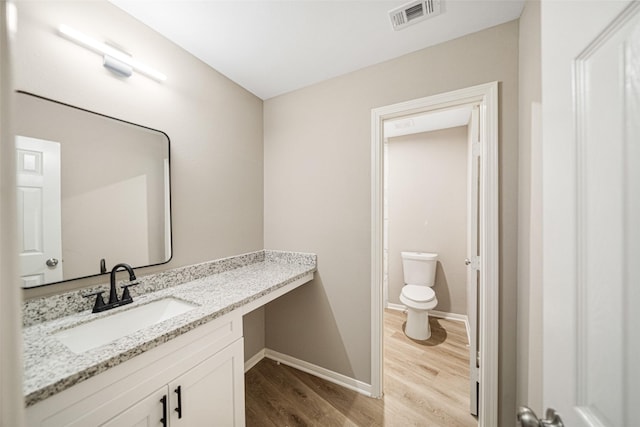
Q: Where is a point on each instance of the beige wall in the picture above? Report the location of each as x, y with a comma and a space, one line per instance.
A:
427, 199
215, 126
317, 147
530, 213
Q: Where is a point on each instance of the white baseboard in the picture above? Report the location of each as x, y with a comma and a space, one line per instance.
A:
448, 316
320, 372
394, 306
453, 316
439, 314
253, 361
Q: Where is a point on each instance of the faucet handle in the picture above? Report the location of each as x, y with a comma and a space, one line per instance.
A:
99, 304
126, 296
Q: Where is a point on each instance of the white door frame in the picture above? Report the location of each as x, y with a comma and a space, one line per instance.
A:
486, 96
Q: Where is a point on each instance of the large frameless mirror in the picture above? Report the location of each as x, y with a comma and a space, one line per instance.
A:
93, 191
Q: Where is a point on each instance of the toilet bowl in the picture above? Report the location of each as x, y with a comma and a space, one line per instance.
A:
419, 270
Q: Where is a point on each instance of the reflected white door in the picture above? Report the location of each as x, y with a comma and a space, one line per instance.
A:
39, 213
591, 209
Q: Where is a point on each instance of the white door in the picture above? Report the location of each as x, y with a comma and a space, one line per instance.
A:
591, 209
473, 255
39, 213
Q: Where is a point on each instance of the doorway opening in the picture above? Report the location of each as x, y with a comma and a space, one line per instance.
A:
482, 247
430, 210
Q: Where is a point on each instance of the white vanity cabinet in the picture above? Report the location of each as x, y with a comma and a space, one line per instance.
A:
206, 366
205, 395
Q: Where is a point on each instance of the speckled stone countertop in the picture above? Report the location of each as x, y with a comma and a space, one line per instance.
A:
51, 367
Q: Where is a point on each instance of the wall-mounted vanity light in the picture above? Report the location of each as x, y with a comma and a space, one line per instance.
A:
113, 59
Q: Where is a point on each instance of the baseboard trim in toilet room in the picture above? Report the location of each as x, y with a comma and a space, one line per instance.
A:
439, 314
394, 306
310, 368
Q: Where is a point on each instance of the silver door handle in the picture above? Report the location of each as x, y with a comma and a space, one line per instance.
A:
528, 418
467, 261
52, 262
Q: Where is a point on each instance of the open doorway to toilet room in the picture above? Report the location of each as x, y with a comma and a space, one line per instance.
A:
434, 190
425, 216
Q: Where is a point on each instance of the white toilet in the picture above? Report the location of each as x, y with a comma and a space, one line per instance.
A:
419, 277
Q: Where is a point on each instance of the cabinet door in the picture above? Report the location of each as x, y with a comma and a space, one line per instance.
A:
212, 393
146, 413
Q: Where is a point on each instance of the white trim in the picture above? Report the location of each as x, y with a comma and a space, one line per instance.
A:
473, 225
454, 316
394, 306
487, 96
377, 251
253, 361
449, 316
320, 372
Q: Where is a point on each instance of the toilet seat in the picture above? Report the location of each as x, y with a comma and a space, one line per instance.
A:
418, 294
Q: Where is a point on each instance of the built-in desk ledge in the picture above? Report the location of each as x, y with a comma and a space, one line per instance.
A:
244, 282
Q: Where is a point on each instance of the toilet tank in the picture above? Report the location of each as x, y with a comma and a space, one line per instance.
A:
419, 268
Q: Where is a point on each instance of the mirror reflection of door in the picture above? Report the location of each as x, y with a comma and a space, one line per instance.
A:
39, 213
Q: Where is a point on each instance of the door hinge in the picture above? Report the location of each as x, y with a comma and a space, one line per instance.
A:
473, 262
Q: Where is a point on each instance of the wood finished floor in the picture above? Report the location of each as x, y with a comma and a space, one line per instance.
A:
425, 384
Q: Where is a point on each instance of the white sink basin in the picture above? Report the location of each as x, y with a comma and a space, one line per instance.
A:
107, 329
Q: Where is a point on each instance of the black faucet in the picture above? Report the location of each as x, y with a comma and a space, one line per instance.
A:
113, 294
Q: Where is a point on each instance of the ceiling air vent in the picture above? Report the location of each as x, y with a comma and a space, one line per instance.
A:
413, 12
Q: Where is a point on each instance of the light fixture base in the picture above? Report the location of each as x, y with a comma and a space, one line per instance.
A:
116, 66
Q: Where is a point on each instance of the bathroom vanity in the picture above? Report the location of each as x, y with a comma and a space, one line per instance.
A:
185, 367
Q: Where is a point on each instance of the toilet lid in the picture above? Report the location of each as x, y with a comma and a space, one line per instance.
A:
418, 293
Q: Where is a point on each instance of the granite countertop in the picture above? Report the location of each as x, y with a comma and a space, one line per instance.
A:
50, 367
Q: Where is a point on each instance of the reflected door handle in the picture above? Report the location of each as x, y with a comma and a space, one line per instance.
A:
52, 262
467, 261
528, 418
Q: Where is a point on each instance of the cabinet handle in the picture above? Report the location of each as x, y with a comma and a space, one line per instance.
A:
163, 420
178, 391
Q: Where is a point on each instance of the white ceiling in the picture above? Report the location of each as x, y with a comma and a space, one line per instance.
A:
272, 47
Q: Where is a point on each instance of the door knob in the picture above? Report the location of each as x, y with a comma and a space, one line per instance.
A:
528, 418
52, 262
467, 261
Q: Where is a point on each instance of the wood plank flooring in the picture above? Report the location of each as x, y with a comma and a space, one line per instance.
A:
425, 384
